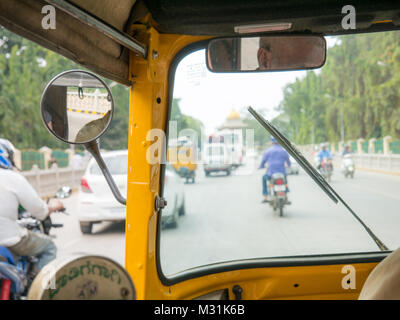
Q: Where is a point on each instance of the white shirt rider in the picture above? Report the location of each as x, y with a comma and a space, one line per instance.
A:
15, 190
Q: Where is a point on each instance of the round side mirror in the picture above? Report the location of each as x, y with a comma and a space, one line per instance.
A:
77, 107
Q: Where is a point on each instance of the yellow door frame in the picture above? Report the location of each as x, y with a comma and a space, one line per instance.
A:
148, 110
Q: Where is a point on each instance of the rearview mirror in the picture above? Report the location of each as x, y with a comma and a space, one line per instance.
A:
266, 53
77, 107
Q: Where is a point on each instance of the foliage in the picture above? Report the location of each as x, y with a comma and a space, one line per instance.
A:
184, 121
261, 137
25, 69
358, 87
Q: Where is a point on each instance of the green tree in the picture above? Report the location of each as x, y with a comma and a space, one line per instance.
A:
25, 69
184, 121
356, 91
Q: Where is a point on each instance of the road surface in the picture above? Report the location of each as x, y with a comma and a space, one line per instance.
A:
225, 220
77, 120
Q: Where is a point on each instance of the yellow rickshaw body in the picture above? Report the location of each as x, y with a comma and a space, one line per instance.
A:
151, 80
182, 157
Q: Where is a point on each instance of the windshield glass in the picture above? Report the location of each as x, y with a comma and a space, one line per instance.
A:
234, 210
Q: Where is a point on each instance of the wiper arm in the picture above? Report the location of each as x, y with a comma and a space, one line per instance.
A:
311, 171
314, 174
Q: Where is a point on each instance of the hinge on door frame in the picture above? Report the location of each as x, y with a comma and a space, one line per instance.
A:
160, 203
237, 291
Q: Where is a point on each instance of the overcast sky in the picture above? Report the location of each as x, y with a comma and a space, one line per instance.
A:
210, 97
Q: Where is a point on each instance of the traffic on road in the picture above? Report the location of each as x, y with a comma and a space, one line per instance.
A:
226, 227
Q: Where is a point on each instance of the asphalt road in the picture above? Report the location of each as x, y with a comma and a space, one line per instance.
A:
225, 220
107, 238
77, 120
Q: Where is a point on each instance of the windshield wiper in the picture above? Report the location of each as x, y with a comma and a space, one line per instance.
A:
312, 172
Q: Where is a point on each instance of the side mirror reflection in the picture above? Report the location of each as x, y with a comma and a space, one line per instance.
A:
77, 107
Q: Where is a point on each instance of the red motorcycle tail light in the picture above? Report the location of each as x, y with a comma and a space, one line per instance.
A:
5, 289
279, 181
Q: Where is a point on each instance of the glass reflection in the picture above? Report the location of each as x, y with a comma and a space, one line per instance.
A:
77, 107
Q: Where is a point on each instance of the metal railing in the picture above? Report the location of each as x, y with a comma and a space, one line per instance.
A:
390, 162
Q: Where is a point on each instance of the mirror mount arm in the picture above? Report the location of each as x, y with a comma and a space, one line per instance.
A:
93, 148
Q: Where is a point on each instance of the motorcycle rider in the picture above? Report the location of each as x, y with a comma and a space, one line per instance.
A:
347, 162
276, 157
324, 153
15, 190
346, 150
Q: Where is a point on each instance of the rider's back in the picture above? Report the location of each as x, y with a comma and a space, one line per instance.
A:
276, 158
15, 190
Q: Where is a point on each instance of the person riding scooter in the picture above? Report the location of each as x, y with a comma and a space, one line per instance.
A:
276, 157
347, 150
348, 166
16, 191
323, 154
325, 165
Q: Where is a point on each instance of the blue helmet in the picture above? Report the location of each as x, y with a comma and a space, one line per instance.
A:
273, 140
6, 154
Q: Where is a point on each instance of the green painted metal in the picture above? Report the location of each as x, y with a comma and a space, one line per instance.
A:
354, 146
61, 157
394, 147
378, 146
365, 146
31, 157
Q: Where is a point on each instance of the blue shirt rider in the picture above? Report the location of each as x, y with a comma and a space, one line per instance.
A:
324, 154
276, 157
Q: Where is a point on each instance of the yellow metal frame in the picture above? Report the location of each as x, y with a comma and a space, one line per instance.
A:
148, 110
310, 282
149, 98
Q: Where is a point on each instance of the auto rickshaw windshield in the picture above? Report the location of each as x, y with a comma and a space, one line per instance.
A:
236, 208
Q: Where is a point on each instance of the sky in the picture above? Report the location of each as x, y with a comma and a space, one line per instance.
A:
210, 97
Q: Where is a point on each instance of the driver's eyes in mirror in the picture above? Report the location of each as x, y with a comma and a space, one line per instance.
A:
77, 107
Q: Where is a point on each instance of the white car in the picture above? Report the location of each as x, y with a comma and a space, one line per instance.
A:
96, 201
175, 197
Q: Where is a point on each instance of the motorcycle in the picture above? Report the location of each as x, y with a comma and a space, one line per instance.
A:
278, 192
18, 273
326, 169
348, 166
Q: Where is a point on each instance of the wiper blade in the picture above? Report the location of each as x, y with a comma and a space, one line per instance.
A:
311, 171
